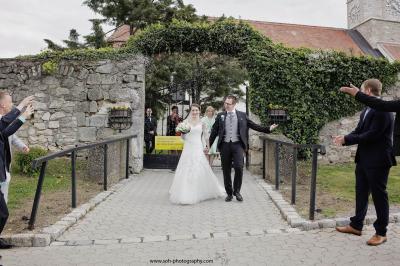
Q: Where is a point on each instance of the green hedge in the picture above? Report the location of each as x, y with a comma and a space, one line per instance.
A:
306, 82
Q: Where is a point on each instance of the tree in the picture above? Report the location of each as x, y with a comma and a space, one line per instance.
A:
206, 77
73, 40
138, 14
53, 46
169, 10
97, 38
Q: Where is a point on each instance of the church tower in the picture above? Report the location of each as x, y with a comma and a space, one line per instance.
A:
378, 21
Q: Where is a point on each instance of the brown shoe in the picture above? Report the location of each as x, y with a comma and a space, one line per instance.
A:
348, 230
376, 240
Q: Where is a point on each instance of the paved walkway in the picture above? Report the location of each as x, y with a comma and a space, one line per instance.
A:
142, 209
137, 224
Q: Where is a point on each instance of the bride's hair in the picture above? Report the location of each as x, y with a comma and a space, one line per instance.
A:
195, 105
189, 117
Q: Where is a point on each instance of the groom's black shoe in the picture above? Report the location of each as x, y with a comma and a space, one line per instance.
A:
228, 198
238, 196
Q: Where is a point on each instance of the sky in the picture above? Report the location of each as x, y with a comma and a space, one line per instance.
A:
25, 23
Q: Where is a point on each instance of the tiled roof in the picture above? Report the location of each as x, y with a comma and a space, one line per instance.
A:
291, 35
314, 37
119, 36
390, 50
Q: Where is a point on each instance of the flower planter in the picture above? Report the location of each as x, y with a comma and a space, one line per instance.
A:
277, 115
120, 118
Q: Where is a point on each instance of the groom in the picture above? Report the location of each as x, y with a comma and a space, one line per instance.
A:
231, 127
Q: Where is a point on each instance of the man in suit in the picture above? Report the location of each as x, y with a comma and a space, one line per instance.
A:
5, 107
374, 157
150, 130
379, 105
9, 124
232, 128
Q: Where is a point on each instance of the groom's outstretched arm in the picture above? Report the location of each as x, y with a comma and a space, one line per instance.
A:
214, 130
257, 127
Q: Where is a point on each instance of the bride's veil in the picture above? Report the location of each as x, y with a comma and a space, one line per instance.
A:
191, 121
189, 118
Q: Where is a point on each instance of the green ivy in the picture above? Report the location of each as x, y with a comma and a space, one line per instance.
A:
304, 81
50, 67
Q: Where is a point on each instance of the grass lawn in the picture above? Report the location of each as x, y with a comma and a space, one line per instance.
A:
336, 190
58, 177
55, 199
339, 179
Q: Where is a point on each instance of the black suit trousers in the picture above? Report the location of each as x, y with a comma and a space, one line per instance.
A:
150, 142
232, 155
372, 180
3, 212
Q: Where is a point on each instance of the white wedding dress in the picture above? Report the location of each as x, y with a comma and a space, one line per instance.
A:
194, 180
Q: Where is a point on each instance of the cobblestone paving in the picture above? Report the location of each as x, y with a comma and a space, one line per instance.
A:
142, 208
319, 247
137, 225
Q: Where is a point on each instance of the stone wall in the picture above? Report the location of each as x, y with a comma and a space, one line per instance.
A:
359, 11
376, 20
71, 105
377, 31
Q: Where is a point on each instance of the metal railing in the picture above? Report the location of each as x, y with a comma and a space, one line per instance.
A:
315, 148
42, 161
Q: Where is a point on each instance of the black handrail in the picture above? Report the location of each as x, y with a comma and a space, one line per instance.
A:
315, 150
44, 159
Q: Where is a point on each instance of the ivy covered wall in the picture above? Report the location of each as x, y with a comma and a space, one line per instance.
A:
304, 81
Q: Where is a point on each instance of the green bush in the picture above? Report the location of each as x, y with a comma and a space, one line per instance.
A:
24, 160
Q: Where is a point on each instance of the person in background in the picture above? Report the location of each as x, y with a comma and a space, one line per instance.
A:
172, 121
209, 120
6, 105
150, 130
9, 124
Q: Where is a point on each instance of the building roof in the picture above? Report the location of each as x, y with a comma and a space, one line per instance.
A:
119, 36
390, 50
291, 35
314, 37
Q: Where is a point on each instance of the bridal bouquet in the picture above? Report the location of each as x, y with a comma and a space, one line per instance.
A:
183, 127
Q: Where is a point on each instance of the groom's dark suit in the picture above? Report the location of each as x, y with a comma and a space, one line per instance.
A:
233, 151
374, 157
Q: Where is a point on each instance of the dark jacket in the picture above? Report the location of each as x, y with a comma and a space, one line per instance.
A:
244, 123
9, 124
373, 135
385, 106
172, 122
150, 125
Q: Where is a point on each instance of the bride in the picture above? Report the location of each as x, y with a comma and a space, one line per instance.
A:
194, 180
